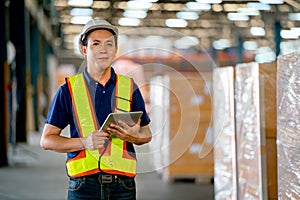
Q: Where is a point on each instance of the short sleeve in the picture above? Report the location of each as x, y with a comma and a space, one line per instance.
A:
60, 110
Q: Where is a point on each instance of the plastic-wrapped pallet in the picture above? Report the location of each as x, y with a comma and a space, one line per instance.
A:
225, 169
288, 126
245, 139
250, 140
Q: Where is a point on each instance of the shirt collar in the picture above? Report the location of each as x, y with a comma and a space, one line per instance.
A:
91, 81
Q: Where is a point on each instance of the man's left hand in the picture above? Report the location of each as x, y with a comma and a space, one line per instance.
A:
125, 132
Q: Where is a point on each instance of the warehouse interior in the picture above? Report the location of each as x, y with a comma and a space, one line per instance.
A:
219, 79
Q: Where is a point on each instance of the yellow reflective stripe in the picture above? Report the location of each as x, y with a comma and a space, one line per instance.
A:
82, 105
85, 164
84, 115
123, 93
117, 162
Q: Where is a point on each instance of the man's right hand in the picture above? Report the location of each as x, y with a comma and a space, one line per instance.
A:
95, 140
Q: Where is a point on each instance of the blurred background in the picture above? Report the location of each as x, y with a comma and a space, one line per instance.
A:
169, 47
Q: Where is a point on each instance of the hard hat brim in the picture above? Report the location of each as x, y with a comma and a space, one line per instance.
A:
97, 24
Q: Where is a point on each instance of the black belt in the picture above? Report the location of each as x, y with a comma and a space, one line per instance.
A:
108, 178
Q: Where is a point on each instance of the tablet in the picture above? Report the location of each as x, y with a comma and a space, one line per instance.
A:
130, 118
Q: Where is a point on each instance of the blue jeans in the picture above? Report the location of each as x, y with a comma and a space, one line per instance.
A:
89, 188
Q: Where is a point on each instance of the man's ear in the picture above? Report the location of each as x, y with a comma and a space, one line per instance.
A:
83, 50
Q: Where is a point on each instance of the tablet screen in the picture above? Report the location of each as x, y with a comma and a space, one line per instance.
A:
130, 118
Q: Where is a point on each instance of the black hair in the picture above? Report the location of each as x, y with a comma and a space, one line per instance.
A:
84, 37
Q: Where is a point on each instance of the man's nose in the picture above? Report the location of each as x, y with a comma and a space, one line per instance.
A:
101, 48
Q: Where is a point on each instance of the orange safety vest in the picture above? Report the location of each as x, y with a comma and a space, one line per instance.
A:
114, 158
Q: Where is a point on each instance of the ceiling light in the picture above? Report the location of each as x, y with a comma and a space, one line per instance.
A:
198, 6
80, 19
129, 21
294, 16
139, 4
265, 57
265, 54
289, 34
221, 44
85, 3
135, 14
237, 17
259, 6
257, 31
186, 42
190, 40
248, 11
188, 15
81, 12
176, 23
296, 30
271, 1
209, 1
178, 44
250, 45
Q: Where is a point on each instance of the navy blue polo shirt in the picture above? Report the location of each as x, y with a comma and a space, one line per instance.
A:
60, 113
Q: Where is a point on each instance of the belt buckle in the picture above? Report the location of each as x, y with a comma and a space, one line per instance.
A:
105, 179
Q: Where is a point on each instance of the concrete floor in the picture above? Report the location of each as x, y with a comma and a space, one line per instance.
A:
35, 174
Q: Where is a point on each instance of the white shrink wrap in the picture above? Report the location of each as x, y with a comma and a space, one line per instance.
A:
288, 126
250, 140
225, 170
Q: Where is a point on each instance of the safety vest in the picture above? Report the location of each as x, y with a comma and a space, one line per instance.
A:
112, 159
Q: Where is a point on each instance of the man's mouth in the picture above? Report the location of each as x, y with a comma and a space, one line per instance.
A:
103, 58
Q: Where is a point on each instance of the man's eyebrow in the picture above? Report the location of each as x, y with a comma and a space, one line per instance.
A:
107, 40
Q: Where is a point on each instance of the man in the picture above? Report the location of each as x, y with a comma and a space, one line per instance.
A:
101, 165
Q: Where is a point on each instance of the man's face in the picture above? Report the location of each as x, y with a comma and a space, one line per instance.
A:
100, 50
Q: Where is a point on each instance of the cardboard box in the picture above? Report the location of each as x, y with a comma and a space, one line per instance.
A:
268, 80
185, 115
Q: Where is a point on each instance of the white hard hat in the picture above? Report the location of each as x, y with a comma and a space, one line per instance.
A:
94, 24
